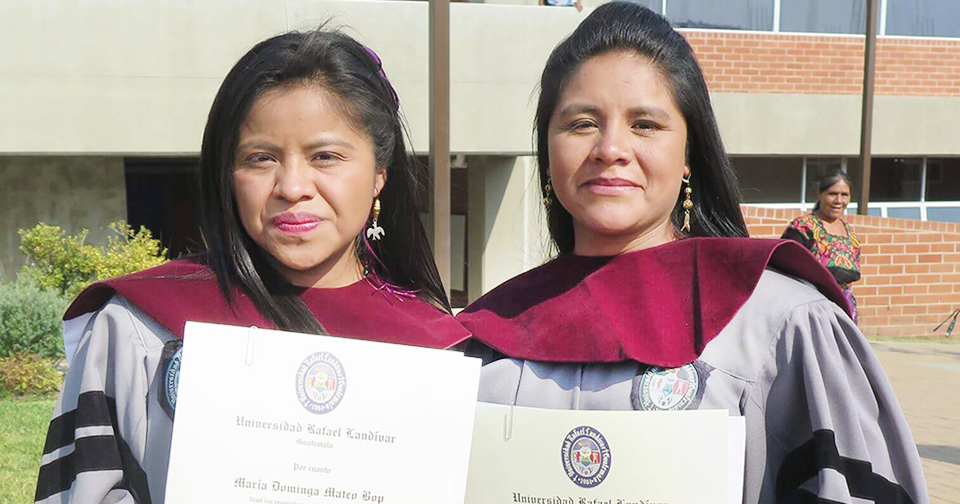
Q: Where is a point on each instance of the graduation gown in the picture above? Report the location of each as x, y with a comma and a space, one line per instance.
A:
109, 440
756, 327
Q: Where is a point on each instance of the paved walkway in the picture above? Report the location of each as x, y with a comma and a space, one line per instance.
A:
926, 377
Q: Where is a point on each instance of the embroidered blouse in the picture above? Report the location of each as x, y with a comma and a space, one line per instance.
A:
838, 253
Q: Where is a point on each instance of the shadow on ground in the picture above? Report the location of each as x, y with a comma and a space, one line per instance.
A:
940, 453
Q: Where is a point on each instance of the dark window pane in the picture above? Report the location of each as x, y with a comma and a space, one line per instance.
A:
818, 168
895, 179
769, 179
856, 177
930, 18
944, 214
904, 213
943, 179
823, 16
874, 211
728, 14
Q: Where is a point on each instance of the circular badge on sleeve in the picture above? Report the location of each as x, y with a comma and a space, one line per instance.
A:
321, 382
586, 456
668, 388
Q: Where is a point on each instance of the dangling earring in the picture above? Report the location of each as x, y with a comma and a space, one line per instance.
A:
547, 193
687, 206
375, 232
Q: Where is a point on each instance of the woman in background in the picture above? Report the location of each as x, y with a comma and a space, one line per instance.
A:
829, 237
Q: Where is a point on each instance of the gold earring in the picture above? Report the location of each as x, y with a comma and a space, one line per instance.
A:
547, 193
687, 206
375, 232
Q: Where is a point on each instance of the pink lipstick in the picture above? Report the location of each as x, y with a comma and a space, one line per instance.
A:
296, 222
603, 186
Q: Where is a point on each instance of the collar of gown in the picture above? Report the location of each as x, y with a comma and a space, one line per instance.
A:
659, 306
184, 290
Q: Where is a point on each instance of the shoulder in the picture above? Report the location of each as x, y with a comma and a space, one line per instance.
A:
157, 281
804, 222
117, 324
745, 345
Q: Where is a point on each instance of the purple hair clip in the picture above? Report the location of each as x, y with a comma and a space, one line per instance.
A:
383, 75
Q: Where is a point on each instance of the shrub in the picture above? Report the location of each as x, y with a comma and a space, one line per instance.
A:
29, 374
30, 320
67, 265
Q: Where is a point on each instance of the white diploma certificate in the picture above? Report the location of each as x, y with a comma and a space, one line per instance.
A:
272, 417
540, 456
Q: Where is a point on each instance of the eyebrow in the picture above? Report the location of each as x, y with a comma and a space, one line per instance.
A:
326, 142
641, 111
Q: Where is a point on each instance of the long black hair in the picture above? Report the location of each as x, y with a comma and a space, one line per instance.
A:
618, 26
828, 181
352, 73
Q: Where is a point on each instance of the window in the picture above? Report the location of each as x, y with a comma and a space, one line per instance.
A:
728, 14
929, 18
824, 16
943, 179
818, 168
944, 214
895, 179
769, 179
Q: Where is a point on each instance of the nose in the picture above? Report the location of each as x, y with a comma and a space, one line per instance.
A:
611, 147
293, 182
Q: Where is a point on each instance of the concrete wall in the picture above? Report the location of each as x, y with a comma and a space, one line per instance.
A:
810, 124
71, 192
145, 73
506, 222
114, 76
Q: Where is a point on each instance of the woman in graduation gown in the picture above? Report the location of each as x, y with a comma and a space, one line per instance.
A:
310, 223
658, 301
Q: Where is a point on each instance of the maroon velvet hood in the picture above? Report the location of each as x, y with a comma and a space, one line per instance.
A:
659, 306
184, 290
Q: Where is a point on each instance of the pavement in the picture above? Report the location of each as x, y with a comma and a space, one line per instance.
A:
926, 378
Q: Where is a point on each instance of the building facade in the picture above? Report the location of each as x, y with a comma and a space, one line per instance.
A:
103, 102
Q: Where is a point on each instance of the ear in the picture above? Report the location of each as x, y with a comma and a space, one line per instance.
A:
379, 180
686, 171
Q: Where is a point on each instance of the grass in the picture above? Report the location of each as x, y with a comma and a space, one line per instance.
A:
23, 427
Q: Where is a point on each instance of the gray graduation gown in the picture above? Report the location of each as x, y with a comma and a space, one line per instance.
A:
823, 424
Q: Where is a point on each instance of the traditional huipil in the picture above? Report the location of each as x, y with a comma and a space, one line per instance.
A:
840, 254
756, 327
109, 440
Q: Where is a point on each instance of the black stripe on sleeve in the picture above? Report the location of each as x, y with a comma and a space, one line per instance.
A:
820, 453
806, 497
92, 410
91, 453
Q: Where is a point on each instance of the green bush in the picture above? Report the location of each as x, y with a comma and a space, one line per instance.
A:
29, 374
67, 265
30, 320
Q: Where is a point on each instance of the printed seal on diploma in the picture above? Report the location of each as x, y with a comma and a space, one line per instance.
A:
321, 382
586, 456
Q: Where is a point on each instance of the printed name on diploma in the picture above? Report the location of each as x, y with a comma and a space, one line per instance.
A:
309, 491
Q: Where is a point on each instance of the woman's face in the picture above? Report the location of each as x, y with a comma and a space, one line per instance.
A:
304, 181
834, 201
617, 154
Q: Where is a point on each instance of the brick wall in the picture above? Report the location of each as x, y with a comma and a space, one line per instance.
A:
824, 64
911, 270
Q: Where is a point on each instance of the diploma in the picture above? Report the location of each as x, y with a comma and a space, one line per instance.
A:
540, 456
273, 417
